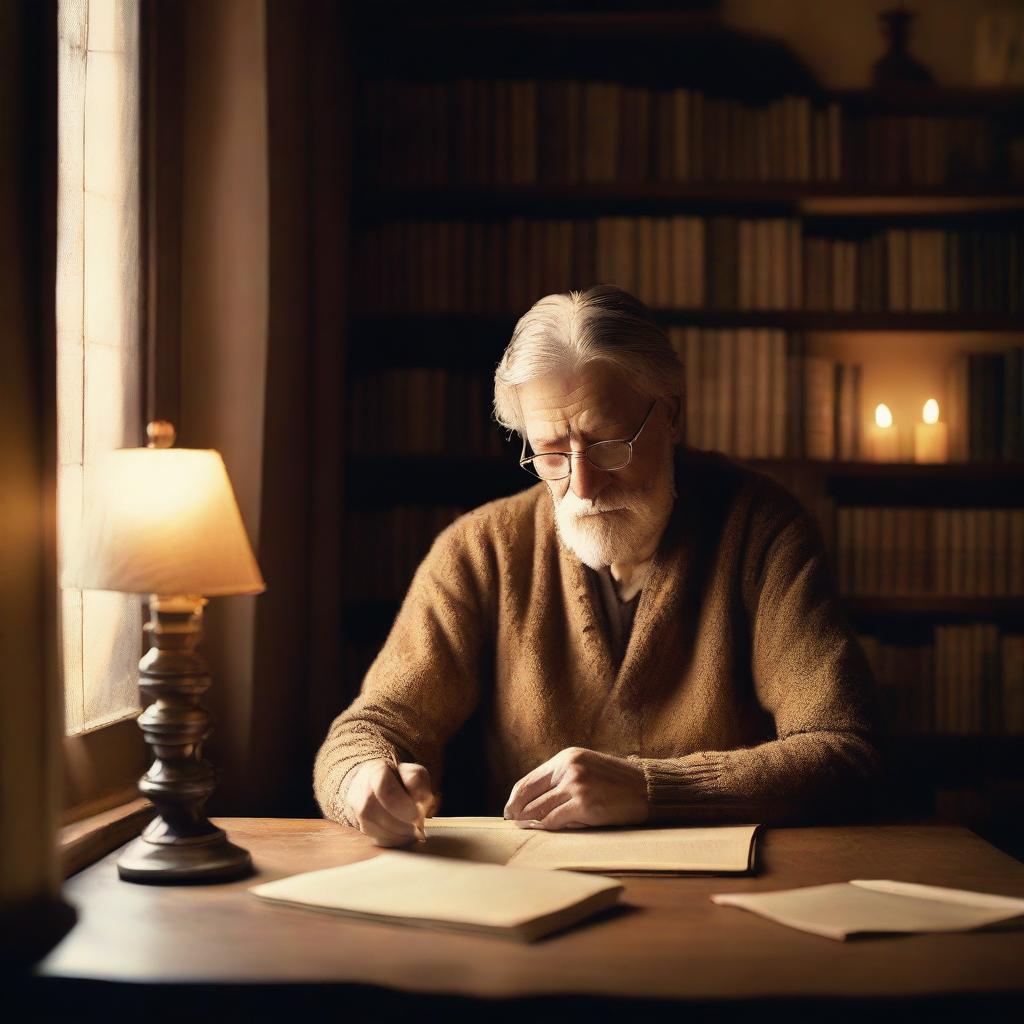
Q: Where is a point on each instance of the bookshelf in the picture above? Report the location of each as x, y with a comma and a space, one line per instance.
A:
465, 210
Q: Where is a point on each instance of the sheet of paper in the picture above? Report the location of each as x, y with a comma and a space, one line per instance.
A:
407, 888
486, 840
841, 909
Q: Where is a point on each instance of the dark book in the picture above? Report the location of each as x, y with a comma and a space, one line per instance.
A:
795, 391
995, 363
975, 406
1013, 389
662, 141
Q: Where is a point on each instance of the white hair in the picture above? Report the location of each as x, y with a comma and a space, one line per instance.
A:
564, 332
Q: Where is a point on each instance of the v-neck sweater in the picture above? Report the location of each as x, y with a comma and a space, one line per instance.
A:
618, 614
742, 695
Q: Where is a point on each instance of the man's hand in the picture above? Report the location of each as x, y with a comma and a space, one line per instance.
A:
579, 787
388, 803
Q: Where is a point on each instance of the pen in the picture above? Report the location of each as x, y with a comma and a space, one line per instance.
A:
421, 835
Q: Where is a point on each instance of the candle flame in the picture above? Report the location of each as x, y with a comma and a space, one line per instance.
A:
931, 411
883, 416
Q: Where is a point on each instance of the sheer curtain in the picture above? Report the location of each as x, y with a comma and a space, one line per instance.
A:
98, 325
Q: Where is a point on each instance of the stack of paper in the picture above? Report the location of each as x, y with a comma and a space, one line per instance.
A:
436, 892
842, 909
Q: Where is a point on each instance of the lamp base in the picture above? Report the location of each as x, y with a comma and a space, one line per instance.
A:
192, 861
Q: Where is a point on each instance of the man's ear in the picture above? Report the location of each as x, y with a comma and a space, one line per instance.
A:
674, 407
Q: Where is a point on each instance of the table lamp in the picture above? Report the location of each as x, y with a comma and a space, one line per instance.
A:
164, 521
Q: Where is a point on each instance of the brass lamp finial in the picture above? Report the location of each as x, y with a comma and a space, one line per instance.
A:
161, 434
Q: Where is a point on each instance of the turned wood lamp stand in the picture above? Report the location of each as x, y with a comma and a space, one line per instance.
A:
164, 522
180, 844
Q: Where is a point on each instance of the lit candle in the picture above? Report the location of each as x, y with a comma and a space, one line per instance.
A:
931, 438
883, 439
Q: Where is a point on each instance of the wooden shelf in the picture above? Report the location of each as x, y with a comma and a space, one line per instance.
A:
433, 480
457, 479
570, 23
805, 199
956, 759
975, 608
948, 485
478, 339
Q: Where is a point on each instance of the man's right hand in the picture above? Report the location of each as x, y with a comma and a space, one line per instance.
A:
388, 803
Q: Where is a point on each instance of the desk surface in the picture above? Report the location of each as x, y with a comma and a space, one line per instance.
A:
669, 942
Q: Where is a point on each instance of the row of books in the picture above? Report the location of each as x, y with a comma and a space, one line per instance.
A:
423, 411
757, 393
985, 406
968, 680
915, 270
750, 393
384, 546
487, 266
933, 551
566, 131
721, 263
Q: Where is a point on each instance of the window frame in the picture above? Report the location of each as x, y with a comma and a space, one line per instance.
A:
102, 767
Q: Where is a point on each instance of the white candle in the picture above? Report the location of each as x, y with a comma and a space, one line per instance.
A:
931, 438
883, 439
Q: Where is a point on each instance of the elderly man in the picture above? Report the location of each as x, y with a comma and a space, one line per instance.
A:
648, 634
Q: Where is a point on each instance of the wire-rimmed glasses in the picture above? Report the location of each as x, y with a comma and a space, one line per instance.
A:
606, 455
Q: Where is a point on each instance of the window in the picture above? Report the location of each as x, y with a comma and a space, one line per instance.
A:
99, 393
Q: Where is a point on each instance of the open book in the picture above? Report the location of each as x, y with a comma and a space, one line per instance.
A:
436, 892
841, 909
727, 849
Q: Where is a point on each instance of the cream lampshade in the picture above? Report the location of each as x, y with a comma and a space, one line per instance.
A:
163, 521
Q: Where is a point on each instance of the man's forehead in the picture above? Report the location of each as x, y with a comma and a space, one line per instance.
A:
584, 401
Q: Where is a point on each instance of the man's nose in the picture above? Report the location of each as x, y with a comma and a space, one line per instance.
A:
587, 481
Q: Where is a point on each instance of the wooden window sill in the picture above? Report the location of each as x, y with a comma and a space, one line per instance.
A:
84, 841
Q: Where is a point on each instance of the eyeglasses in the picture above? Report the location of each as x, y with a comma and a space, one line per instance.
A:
606, 455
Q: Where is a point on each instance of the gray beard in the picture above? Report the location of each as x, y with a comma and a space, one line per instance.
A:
619, 536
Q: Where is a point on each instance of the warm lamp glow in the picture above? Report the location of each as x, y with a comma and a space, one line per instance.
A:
930, 413
883, 415
163, 521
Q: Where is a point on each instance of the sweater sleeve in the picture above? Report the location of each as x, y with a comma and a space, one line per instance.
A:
810, 674
423, 684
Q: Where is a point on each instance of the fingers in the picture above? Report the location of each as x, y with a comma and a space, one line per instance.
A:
416, 780
528, 788
537, 810
384, 828
380, 804
395, 798
565, 815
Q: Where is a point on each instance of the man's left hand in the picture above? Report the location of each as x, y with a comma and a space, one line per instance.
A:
580, 787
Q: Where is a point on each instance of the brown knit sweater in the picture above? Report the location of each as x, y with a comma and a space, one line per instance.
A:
742, 695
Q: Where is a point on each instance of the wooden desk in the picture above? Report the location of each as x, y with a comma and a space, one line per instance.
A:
670, 943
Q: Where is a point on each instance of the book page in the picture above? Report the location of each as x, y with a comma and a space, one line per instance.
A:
485, 840
401, 886
841, 909
724, 849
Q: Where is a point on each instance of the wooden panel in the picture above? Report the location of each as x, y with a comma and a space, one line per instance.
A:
102, 764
